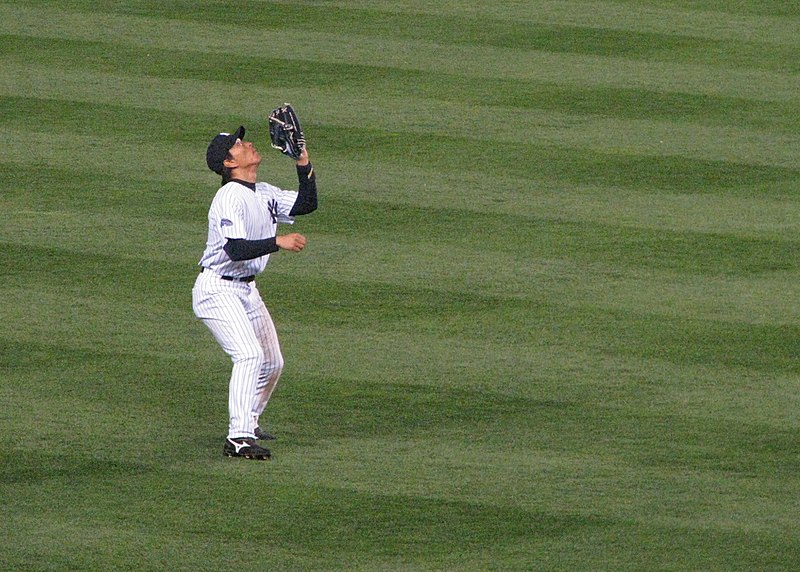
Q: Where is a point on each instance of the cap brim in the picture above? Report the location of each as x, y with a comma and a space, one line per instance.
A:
239, 133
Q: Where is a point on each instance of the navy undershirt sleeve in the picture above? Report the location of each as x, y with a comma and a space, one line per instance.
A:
242, 249
307, 192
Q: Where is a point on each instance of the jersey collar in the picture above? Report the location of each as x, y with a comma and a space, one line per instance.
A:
251, 186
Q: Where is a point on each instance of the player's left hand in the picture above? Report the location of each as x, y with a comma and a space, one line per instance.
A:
303, 159
285, 132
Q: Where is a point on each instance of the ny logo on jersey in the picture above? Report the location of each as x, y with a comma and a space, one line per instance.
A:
272, 205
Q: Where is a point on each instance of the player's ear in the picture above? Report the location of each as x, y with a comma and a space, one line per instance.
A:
230, 162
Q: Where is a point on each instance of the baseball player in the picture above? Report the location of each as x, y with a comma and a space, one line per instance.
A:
242, 224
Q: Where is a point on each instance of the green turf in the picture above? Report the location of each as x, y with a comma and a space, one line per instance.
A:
547, 318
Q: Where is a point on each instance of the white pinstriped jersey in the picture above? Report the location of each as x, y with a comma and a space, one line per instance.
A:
238, 212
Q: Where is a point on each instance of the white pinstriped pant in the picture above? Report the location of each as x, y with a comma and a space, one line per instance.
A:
241, 324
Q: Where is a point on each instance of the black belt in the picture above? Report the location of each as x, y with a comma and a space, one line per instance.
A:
233, 278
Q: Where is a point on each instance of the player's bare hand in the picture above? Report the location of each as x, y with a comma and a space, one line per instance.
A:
294, 242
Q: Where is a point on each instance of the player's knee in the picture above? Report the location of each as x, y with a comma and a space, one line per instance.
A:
274, 366
253, 355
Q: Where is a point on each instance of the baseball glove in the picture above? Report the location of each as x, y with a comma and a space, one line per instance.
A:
285, 131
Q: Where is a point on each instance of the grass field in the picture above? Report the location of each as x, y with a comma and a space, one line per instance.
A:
548, 317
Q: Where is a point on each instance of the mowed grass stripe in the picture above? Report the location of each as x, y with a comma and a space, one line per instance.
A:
610, 505
710, 447
548, 521
549, 422
353, 78
566, 153
373, 527
630, 470
763, 208
757, 146
763, 211
558, 424
757, 208
473, 61
532, 259
387, 540
550, 372
689, 459
544, 24
614, 381
672, 337
772, 11
650, 129
532, 307
645, 134
762, 196
721, 458
522, 237
519, 34
769, 21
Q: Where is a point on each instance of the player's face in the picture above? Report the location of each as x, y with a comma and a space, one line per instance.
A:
245, 154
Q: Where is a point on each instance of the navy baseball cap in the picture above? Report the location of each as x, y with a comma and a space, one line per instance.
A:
219, 147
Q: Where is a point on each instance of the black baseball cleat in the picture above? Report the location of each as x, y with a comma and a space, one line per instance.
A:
245, 447
263, 435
